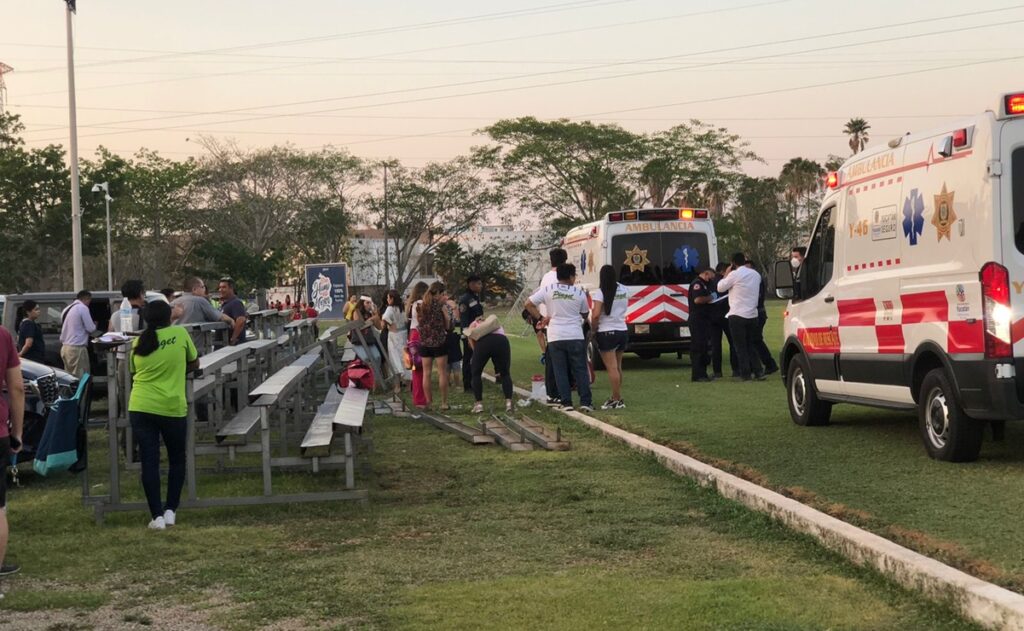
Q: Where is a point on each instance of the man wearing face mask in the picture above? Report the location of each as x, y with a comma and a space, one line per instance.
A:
797, 257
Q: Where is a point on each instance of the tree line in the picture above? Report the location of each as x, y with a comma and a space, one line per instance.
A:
261, 214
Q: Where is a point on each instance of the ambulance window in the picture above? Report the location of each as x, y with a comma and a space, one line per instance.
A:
1018, 197
816, 272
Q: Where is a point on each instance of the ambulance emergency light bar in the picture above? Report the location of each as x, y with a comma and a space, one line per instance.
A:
659, 214
1013, 105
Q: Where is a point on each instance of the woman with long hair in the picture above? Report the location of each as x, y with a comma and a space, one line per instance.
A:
433, 323
608, 321
394, 324
31, 344
159, 361
419, 399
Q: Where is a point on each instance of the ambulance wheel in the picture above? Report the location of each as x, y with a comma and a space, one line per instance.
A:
948, 433
595, 355
804, 405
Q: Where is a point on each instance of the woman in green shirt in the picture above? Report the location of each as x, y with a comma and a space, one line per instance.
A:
159, 360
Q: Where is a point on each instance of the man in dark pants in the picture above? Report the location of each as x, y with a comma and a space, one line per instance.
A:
720, 326
700, 325
470, 308
763, 352
743, 284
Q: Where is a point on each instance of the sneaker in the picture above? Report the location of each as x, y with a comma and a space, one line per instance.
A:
553, 402
760, 377
608, 405
586, 409
565, 408
477, 408
772, 369
9, 568
619, 405
157, 524
169, 517
508, 407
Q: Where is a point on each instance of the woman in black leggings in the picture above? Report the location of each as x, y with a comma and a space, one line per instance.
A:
493, 347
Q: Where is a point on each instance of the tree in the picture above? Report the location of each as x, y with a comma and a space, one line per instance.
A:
761, 226
568, 173
433, 205
693, 165
495, 266
802, 182
857, 130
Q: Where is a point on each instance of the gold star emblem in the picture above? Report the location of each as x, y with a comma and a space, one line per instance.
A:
637, 259
944, 215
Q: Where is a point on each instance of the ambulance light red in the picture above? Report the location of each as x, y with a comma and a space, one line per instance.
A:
995, 291
833, 179
1015, 104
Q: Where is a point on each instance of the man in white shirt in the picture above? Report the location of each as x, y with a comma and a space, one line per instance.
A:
77, 327
566, 306
557, 256
744, 285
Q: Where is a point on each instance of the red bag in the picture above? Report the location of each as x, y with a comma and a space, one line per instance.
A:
357, 374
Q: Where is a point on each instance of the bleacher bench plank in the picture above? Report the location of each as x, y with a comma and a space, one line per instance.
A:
241, 424
280, 382
352, 408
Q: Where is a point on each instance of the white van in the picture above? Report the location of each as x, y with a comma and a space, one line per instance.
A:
911, 292
656, 252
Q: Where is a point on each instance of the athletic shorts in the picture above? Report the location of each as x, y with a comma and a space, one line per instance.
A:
434, 351
608, 341
5, 461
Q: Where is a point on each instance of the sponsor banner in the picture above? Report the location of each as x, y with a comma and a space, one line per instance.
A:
327, 289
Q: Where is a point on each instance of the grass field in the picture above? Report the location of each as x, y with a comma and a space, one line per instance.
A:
453, 536
868, 467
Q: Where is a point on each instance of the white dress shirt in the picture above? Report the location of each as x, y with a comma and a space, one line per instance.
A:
744, 286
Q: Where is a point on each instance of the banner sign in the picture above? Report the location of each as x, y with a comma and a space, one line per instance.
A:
327, 289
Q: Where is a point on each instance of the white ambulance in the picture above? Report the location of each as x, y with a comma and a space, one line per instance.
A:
657, 252
911, 292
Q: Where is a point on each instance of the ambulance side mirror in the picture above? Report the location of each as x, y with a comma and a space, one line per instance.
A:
784, 280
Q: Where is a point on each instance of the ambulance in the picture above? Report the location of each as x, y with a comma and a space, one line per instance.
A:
656, 252
911, 295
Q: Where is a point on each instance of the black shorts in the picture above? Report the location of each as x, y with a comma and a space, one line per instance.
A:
434, 351
608, 341
5, 461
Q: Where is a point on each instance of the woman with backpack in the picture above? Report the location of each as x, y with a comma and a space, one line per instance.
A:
157, 408
433, 322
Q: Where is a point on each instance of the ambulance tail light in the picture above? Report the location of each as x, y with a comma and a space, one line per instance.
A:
700, 214
614, 216
995, 299
833, 179
960, 138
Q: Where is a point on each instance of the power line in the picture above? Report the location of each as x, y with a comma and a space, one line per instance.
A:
555, 8
590, 79
419, 50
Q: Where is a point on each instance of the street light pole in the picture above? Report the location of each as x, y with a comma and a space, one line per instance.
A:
387, 258
76, 214
105, 187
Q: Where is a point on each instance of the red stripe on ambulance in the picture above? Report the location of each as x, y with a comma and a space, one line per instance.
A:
928, 306
857, 312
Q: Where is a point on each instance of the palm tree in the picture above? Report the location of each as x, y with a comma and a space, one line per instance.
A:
857, 130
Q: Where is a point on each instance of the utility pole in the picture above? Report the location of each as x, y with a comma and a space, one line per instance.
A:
4, 69
387, 258
76, 212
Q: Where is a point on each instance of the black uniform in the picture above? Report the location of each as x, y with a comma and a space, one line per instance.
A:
470, 308
720, 328
700, 329
759, 344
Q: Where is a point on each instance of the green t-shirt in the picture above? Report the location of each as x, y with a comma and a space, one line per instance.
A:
159, 384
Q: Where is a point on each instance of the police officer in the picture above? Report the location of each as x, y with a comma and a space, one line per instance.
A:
700, 297
470, 308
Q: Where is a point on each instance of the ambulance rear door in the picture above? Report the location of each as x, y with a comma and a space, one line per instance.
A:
1012, 204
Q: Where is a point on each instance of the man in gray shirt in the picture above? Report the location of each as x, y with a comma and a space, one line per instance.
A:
195, 306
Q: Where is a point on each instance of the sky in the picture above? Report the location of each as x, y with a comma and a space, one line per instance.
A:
415, 80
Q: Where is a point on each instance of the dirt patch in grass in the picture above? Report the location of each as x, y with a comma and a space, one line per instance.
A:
945, 551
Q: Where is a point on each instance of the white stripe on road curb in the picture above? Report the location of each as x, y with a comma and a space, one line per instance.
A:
980, 601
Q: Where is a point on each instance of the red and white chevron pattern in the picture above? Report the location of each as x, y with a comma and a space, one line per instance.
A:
657, 303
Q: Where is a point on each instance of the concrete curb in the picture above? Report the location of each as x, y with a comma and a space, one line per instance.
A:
984, 603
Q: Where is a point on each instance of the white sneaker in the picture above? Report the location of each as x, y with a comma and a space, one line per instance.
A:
169, 517
157, 524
